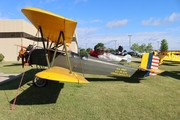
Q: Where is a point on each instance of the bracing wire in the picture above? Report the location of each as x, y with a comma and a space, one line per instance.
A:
22, 77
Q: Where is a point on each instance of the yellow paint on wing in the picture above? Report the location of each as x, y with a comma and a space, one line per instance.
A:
51, 23
62, 75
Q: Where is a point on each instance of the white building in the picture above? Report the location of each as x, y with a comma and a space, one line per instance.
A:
20, 32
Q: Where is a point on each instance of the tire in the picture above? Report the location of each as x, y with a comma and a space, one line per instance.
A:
38, 82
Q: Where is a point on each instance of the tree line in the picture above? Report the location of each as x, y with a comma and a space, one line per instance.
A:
134, 47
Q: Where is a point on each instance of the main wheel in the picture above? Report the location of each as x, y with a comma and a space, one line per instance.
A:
39, 82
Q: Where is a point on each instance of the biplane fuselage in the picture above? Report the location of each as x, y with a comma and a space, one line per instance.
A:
85, 64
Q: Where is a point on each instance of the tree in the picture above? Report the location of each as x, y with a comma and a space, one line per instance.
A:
149, 47
83, 52
111, 49
142, 47
1, 57
164, 45
101, 45
88, 50
135, 47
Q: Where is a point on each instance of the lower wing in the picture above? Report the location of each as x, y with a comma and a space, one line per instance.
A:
62, 75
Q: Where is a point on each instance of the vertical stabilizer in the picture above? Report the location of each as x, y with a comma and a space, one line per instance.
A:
150, 63
146, 61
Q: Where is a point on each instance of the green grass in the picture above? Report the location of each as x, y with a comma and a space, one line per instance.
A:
105, 98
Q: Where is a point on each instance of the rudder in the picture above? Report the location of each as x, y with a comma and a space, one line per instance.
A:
150, 63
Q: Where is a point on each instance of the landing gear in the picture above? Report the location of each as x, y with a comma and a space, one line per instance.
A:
39, 82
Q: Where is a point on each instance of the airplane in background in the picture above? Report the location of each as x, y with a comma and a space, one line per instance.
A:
61, 65
170, 55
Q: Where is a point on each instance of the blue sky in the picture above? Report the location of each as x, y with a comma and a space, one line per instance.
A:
111, 21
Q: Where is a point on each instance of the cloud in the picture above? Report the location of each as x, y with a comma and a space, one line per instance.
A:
157, 21
173, 17
85, 33
155, 33
88, 37
116, 23
87, 30
174, 29
151, 22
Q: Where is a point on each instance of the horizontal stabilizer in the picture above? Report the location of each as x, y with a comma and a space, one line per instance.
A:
156, 71
62, 75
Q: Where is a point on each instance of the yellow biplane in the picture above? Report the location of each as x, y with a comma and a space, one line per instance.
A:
170, 55
61, 64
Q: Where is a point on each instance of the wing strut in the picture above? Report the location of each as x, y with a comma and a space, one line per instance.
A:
54, 55
64, 42
44, 47
67, 56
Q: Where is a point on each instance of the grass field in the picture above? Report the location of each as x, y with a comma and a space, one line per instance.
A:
105, 98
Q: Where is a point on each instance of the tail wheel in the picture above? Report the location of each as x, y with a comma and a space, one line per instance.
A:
39, 82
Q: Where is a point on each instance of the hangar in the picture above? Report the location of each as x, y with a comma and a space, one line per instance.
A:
21, 32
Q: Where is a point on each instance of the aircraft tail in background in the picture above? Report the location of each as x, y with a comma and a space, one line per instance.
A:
150, 63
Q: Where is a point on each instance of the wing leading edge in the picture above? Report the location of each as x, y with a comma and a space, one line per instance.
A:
51, 23
62, 75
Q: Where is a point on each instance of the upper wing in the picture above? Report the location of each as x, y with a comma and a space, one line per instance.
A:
62, 75
51, 23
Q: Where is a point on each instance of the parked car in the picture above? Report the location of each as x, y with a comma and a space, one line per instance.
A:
140, 54
124, 53
132, 53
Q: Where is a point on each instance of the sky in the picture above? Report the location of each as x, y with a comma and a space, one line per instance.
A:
111, 21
